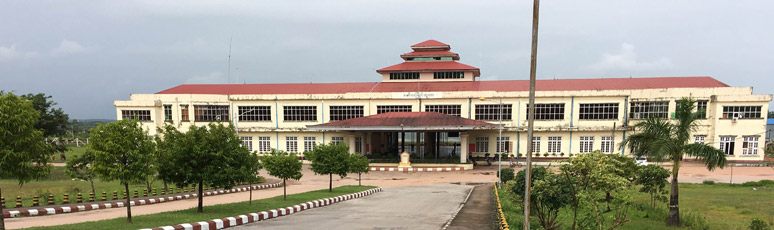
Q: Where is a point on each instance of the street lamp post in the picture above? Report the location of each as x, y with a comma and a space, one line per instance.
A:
499, 142
236, 128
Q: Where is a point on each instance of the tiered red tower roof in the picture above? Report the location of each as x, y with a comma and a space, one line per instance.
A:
428, 56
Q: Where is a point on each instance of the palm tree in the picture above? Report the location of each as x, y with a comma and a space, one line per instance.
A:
663, 139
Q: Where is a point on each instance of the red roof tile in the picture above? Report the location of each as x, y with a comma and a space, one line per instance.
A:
406, 121
428, 66
429, 43
498, 86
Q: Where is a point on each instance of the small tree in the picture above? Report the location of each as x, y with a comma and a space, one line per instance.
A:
122, 151
329, 159
653, 179
210, 155
23, 153
358, 164
81, 167
284, 166
549, 195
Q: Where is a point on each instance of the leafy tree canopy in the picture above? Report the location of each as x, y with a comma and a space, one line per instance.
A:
330, 159
23, 153
53, 121
122, 151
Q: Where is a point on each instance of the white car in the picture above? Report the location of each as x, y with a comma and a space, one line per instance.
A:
641, 160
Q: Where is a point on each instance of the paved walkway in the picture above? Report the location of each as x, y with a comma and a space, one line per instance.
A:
413, 207
478, 213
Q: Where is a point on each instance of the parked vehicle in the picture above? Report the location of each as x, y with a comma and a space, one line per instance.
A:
641, 160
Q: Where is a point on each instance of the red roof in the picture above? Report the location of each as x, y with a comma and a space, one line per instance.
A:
406, 121
499, 86
429, 66
431, 53
429, 43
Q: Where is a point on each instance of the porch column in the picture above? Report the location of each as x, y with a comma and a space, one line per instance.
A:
351, 143
367, 143
464, 147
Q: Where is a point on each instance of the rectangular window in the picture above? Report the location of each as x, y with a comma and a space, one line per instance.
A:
184, 113
750, 145
167, 112
727, 144
535, 144
482, 144
598, 111
699, 139
291, 144
553, 111
607, 144
247, 142
254, 113
448, 75
454, 110
648, 109
211, 112
701, 108
309, 143
554, 144
339, 112
337, 140
404, 76
503, 144
359, 144
586, 144
300, 113
264, 144
491, 112
392, 108
140, 115
741, 111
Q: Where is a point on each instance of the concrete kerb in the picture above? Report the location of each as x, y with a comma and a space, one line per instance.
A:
118, 204
265, 215
417, 169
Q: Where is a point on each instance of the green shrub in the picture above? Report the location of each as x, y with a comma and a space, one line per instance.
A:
538, 173
694, 221
708, 182
507, 174
758, 224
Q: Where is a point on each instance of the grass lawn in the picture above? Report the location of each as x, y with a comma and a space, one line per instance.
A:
73, 150
723, 206
211, 212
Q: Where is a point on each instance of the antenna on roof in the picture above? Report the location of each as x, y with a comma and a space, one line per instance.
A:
230, 39
237, 75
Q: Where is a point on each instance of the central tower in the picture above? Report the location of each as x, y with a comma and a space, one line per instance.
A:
431, 61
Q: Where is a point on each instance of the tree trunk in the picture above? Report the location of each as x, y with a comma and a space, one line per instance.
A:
165, 186
359, 180
201, 199
128, 204
330, 182
91, 180
250, 186
284, 190
673, 218
2, 219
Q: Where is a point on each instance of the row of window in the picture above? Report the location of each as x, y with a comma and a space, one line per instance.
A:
727, 144
554, 144
436, 75
488, 112
291, 143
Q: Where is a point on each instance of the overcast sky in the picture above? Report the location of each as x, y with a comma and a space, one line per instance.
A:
89, 53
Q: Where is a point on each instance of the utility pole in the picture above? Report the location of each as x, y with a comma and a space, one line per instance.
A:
531, 113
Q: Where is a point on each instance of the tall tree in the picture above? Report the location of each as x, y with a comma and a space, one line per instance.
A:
81, 167
209, 155
358, 164
53, 121
284, 166
330, 159
663, 139
122, 152
23, 153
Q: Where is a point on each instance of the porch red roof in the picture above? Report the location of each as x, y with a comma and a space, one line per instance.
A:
405, 121
431, 53
429, 43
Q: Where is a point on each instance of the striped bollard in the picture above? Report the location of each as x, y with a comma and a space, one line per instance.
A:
125, 196
2, 201
185, 189
79, 198
51, 199
35, 201
179, 190
135, 193
115, 195
18, 202
66, 199
154, 191
163, 191
104, 196
91, 197
145, 192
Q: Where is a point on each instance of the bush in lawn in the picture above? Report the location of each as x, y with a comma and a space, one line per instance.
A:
23, 152
330, 159
122, 152
538, 173
653, 179
358, 164
708, 182
758, 224
548, 196
507, 175
284, 166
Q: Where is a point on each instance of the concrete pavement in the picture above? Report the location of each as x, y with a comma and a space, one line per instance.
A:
412, 207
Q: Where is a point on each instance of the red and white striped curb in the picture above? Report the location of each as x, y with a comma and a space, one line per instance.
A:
416, 169
106, 205
265, 215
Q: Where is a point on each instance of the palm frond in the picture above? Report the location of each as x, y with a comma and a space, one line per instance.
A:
711, 156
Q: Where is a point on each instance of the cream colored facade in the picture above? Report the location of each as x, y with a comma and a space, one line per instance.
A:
570, 129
